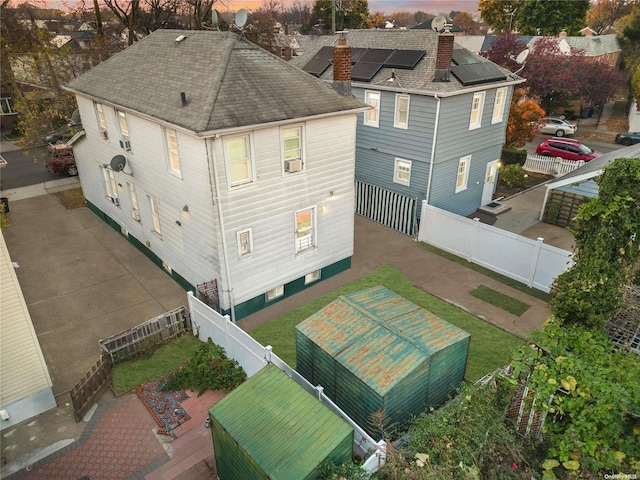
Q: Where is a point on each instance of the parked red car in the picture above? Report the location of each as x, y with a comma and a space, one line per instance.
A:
566, 149
61, 159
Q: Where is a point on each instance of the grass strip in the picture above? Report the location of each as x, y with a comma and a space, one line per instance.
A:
500, 300
534, 292
490, 348
162, 361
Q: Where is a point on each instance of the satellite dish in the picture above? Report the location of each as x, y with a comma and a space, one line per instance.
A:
522, 56
214, 18
117, 163
241, 18
438, 23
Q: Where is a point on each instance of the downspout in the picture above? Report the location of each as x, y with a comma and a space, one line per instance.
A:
216, 199
433, 148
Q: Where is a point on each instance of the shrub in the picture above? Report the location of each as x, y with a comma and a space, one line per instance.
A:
513, 176
511, 156
208, 367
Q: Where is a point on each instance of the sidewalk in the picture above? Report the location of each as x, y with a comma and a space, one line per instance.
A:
117, 421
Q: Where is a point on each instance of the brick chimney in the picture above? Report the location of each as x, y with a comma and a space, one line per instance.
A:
444, 56
342, 66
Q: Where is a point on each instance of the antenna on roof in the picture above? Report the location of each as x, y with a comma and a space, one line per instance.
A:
214, 18
241, 20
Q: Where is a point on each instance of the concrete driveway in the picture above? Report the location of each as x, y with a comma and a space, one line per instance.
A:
81, 283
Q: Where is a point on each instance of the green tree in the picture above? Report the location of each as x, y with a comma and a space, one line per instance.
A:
350, 14
607, 253
501, 15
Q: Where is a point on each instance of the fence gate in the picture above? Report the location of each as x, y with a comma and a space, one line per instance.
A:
391, 209
87, 391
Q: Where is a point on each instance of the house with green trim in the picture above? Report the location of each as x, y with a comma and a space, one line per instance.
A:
220, 162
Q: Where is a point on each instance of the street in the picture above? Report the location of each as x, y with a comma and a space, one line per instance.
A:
24, 168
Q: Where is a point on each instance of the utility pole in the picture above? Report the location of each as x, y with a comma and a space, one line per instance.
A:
333, 17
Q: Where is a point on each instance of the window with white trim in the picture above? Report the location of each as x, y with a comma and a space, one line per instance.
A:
402, 172
292, 149
305, 221
312, 277
244, 238
275, 293
6, 106
124, 126
239, 159
372, 116
401, 117
498, 105
102, 122
171, 137
135, 207
155, 214
477, 106
463, 173
111, 185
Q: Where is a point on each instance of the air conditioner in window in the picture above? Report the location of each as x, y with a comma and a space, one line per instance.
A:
104, 135
115, 200
125, 144
292, 166
135, 214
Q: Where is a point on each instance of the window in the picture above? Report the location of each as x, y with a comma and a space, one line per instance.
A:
463, 173
401, 118
155, 214
239, 157
102, 122
312, 277
111, 186
402, 172
135, 207
498, 106
372, 116
476, 110
305, 231
6, 106
292, 149
275, 293
245, 242
124, 127
172, 148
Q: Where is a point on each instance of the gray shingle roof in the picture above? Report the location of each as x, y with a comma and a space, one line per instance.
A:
419, 79
228, 82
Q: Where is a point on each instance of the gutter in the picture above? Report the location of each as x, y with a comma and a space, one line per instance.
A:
433, 149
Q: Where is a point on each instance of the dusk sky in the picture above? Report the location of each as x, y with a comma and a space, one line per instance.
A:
385, 6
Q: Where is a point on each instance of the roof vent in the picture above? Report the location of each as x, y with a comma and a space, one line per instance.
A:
180, 38
183, 97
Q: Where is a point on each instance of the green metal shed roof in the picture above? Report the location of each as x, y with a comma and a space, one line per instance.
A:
281, 426
378, 335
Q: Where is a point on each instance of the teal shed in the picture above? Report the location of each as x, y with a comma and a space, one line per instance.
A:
373, 350
271, 428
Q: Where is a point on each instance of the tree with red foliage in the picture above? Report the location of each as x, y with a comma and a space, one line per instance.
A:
504, 50
524, 115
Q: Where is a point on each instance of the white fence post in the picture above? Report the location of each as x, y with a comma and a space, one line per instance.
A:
268, 350
473, 242
534, 261
320, 390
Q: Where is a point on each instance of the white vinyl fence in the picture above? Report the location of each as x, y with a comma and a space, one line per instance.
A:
550, 166
531, 262
252, 356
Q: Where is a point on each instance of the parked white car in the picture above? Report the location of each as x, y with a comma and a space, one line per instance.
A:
557, 126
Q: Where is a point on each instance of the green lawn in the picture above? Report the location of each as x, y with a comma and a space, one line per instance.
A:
162, 361
490, 347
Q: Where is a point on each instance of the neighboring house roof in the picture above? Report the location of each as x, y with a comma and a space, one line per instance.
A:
228, 83
419, 79
489, 39
473, 43
594, 168
593, 45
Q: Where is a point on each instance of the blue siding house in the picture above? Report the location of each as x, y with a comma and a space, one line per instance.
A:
437, 125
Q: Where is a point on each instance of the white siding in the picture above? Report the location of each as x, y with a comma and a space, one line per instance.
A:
23, 371
189, 248
268, 206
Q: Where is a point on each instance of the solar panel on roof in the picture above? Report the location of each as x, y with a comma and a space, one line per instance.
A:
376, 55
364, 71
324, 52
404, 59
356, 53
317, 66
477, 74
462, 56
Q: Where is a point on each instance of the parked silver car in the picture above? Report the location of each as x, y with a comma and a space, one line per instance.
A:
557, 126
